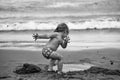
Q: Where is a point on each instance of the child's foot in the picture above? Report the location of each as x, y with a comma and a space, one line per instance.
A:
59, 73
49, 70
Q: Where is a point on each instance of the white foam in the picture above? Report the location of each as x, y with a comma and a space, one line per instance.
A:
32, 25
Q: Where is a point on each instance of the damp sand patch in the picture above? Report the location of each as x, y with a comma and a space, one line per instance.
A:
74, 67
93, 73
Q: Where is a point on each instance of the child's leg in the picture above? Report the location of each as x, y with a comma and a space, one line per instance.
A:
59, 58
52, 63
60, 65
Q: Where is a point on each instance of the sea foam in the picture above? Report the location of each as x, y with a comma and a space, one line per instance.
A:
79, 24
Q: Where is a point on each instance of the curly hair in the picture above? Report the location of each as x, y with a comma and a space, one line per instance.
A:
62, 27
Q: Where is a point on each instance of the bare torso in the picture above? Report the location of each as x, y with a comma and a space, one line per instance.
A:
54, 43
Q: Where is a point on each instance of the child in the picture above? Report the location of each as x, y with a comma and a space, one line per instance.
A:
57, 38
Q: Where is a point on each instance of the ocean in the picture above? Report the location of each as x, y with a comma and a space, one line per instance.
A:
79, 39
48, 23
85, 32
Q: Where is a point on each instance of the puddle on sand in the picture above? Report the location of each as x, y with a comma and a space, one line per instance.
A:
74, 67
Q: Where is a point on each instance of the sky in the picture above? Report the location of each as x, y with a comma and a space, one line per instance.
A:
42, 8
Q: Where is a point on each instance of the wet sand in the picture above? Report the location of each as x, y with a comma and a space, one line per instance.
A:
9, 59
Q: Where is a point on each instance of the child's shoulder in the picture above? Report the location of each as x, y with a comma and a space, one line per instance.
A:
57, 33
54, 34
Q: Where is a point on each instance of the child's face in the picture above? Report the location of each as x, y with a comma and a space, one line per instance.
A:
66, 32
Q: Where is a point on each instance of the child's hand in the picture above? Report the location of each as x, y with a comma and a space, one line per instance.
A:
35, 36
67, 39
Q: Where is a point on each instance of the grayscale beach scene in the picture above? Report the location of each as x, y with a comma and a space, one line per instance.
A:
94, 49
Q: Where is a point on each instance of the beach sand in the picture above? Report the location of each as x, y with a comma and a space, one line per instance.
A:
9, 59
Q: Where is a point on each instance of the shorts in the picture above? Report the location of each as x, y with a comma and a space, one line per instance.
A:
46, 52
50, 54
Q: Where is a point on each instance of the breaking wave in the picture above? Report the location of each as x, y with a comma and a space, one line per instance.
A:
79, 24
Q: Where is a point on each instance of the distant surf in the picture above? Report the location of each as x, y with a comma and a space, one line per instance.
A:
97, 23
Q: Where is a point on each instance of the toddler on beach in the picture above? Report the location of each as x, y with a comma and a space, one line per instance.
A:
57, 38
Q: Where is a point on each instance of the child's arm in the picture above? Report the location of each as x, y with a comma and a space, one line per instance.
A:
65, 41
64, 44
44, 36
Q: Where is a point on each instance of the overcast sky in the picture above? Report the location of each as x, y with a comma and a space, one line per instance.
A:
59, 7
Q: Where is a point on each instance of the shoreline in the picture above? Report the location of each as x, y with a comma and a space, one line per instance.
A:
60, 49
